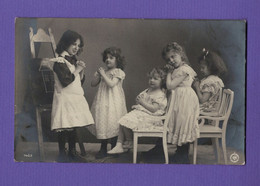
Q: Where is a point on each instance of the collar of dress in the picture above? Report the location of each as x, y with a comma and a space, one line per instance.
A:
64, 53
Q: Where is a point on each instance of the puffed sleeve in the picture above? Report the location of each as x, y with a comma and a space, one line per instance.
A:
118, 73
185, 70
64, 74
212, 85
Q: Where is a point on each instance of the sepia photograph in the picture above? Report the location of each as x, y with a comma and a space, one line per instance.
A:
135, 91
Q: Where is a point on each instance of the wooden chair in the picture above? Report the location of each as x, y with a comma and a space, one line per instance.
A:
158, 132
42, 37
45, 69
215, 131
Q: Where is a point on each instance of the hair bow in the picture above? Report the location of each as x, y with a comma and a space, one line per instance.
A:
206, 52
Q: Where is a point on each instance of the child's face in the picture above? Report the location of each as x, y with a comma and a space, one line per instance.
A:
173, 59
110, 61
155, 81
204, 69
74, 48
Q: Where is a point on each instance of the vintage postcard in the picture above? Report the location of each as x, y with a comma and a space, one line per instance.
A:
144, 91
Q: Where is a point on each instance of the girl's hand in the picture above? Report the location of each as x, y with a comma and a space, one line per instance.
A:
196, 83
139, 99
96, 74
101, 71
168, 68
81, 63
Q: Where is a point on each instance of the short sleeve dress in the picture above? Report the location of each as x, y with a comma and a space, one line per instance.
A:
183, 124
108, 106
141, 118
211, 84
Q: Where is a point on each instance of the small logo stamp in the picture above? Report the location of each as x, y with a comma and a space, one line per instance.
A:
234, 157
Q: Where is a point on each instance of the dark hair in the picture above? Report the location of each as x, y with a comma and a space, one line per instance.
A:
214, 62
161, 73
67, 39
175, 47
116, 52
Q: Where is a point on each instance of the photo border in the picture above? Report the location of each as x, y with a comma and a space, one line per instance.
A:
13, 173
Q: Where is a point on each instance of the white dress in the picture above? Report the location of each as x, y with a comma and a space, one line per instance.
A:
141, 118
211, 84
70, 108
183, 124
108, 107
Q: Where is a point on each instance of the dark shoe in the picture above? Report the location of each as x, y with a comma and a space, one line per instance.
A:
185, 160
75, 157
176, 158
103, 150
101, 154
83, 153
113, 142
179, 159
181, 155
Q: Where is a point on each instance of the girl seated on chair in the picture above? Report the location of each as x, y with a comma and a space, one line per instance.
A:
150, 104
212, 67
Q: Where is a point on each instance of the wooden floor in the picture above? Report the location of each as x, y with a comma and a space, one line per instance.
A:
28, 152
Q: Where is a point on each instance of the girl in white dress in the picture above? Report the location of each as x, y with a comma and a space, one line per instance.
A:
183, 124
70, 109
109, 103
209, 89
150, 104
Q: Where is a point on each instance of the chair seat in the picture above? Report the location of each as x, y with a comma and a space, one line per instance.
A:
157, 129
210, 114
210, 129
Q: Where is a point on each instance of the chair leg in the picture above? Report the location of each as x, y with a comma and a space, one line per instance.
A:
135, 147
216, 148
165, 149
195, 145
224, 149
39, 130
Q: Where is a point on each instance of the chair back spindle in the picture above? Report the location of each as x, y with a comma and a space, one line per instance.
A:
227, 102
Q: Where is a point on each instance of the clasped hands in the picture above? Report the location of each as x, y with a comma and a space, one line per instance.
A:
100, 72
140, 99
168, 68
